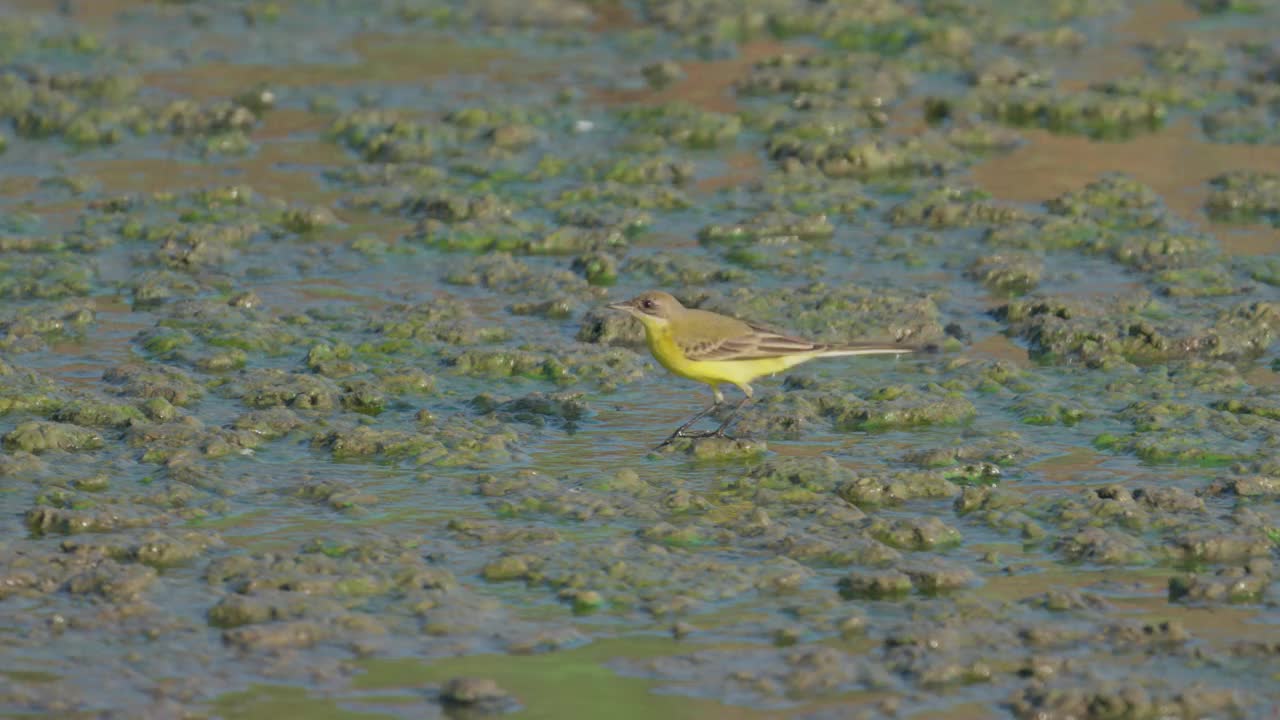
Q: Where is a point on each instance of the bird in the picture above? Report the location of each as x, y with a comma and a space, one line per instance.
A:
718, 349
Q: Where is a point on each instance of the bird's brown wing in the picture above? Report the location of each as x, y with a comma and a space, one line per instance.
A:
754, 345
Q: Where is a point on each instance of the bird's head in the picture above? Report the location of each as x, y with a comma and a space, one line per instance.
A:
651, 308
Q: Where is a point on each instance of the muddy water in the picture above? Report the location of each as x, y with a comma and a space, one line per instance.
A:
309, 406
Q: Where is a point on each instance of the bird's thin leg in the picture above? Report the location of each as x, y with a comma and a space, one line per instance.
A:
733, 414
682, 431
719, 431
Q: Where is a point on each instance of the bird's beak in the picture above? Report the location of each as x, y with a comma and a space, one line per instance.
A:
624, 305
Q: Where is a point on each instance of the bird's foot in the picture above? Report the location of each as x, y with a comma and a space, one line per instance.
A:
694, 435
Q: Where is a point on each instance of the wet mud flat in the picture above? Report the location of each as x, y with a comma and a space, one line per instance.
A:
309, 404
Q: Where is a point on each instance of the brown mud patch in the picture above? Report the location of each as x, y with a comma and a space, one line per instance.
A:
740, 169
262, 171
707, 84
1001, 347
612, 16
1147, 23
1175, 162
1072, 468
383, 58
83, 11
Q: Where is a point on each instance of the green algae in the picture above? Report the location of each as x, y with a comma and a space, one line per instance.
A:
539, 681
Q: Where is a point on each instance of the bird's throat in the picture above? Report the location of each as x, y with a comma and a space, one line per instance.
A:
663, 345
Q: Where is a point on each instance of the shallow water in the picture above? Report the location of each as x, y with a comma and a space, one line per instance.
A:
310, 405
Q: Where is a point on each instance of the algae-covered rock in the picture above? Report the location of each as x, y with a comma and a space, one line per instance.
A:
715, 448
661, 74
1009, 274
270, 423
838, 314
1063, 329
476, 694
1215, 547
950, 207
442, 320
818, 474
895, 408
1103, 546
14, 398
913, 534
1230, 585
276, 636
609, 327
306, 220
598, 268
872, 490
875, 584
1099, 112
364, 397
538, 408
683, 125
39, 437
276, 388
1114, 201
679, 270
1249, 486
364, 441
769, 228
937, 576
508, 568
164, 550
98, 414
1245, 196
155, 381
113, 582
866, 156
236, 610
503, 272
1138, 696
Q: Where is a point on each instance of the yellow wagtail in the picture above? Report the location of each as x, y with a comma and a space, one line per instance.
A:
717, 349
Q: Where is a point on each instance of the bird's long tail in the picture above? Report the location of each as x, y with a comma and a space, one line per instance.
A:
866, 348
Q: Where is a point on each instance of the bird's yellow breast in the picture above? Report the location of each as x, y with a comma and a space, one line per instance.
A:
713, 372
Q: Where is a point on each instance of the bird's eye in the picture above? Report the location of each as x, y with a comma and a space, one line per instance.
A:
648, 304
